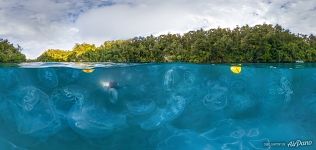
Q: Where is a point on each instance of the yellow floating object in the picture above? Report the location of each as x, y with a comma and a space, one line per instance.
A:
87, 70
235, 69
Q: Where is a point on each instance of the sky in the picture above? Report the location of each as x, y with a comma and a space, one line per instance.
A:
37, 25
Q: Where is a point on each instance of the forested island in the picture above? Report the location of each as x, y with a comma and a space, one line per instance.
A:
246, 44
9, 53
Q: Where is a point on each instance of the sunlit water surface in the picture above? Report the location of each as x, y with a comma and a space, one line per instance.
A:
61, 106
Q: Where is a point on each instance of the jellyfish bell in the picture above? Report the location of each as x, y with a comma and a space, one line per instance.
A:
64, 98
174, 107
178, 78
139, 110
93, 121
47, 77
242, 105
217, 98
233, 134
140, 107
32, 112
279, 92
238, 85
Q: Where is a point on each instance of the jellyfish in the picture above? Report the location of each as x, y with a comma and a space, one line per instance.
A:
281, 86
47, 77
139, 110
64, 98
230, 134
217, 98
140, 107
174, 107
238, 85
33, 115
162, 134
169, 79
93, 121
246, 139
279, 95
178, 78
154, 121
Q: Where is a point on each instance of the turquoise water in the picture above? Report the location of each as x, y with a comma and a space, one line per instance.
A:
157, 106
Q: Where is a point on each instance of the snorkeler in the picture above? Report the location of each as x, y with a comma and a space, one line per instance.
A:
111, 87
113, 84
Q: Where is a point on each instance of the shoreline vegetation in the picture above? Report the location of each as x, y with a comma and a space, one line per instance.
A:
10, 53
264, 43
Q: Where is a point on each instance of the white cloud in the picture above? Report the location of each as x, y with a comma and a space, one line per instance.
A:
39, 25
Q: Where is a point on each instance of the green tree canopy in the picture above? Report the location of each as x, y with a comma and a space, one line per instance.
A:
55, 55
9, 53
260, 43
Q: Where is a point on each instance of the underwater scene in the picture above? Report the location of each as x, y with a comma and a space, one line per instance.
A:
175, 106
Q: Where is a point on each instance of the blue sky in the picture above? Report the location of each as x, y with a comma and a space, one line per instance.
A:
38, 25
